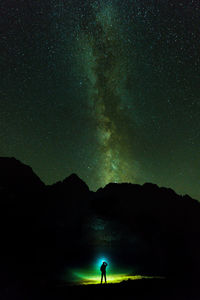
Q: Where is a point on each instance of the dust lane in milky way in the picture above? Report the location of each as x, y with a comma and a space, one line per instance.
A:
105, 64
105, 89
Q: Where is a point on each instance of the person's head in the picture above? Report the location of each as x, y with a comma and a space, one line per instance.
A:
104, 263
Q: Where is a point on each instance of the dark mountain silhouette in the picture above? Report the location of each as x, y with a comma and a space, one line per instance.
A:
46, 230
15, 175
73, 181
166, 226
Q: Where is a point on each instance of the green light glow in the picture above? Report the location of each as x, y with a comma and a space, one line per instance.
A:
92, 273
89, 278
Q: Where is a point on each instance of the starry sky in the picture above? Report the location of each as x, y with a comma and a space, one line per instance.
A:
107, 89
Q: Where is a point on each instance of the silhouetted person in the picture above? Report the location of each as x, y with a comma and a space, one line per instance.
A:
103, 271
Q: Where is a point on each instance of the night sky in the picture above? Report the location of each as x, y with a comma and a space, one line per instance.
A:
105, 89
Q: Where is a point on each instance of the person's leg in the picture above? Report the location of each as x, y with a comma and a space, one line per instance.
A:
101, 277
105, 276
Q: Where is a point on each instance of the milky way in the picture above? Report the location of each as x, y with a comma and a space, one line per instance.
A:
105, 65
107, 89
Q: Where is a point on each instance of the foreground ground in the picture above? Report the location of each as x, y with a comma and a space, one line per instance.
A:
157, 289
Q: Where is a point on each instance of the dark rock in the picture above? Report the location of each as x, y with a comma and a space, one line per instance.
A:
16, 175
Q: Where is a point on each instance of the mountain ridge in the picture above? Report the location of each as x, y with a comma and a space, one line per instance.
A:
11, 163
47, 230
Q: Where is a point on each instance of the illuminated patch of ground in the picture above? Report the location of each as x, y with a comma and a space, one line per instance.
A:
115, 274
86, 279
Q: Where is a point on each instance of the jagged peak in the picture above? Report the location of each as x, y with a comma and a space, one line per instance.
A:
72, 181
73, 177
14, 173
